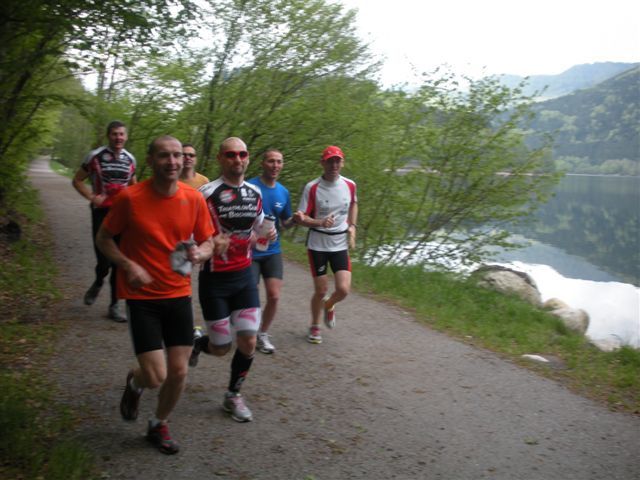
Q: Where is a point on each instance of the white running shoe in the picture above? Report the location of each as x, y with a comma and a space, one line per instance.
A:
264, 344
234, 404
314, 335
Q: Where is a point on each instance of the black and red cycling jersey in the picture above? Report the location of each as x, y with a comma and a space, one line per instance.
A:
109, 173
234, 211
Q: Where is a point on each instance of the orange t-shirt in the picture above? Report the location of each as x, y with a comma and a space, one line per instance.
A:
150, 226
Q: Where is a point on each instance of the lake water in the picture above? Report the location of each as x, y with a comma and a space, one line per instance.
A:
589, 230
585, 249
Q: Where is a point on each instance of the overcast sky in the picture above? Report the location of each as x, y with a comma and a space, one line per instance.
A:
479, 37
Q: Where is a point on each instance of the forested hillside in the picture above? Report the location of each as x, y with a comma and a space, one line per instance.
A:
575, 78
596, 130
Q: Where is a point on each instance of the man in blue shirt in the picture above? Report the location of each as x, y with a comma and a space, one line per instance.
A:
277, 203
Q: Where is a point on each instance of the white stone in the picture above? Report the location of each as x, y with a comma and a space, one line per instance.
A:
535, 358
509, 281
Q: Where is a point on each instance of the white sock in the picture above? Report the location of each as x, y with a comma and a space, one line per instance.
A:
155, 421
134, 385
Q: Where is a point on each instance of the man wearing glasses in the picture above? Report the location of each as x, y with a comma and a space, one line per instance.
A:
152, 217
189, 174
227, 289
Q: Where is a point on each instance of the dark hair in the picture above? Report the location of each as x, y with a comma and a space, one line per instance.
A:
271, 150
189, 145
151, 149
115, 124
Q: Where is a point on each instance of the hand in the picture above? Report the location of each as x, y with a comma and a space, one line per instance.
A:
352, 237
298, 217
221, 243
137, 276
197, 255
328, 222
98, 200
273, 234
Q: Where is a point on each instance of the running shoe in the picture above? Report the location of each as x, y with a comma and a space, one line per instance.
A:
264, 344
115, 314
92, 293
159, 437
195, 353
234, 404
130, 400
330, 317
314, 335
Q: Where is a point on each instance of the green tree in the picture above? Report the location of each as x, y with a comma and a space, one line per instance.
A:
263, 56
457, 171
42, 43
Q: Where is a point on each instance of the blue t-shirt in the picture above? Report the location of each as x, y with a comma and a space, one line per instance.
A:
275, 202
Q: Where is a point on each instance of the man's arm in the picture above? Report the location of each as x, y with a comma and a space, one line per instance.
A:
202, 252
287, 223
352, 220
78, 183
305, 220
137, 276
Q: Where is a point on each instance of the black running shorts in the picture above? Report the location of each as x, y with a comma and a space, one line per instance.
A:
338, 260
154, 323
224, 292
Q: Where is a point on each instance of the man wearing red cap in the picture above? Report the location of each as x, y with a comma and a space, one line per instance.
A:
329, 207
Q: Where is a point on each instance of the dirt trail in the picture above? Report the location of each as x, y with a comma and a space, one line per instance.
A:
383, 397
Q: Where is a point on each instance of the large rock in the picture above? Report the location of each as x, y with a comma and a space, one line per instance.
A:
574, 319
508, 281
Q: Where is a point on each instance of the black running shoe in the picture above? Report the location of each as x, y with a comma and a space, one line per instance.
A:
92, 293
159, 436
130, 400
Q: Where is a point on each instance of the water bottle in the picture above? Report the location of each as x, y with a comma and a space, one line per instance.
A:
262, 242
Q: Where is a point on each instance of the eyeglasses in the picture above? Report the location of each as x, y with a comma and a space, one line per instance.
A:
231, 154
189, 155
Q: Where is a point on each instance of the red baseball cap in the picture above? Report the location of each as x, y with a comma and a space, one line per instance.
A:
332, 151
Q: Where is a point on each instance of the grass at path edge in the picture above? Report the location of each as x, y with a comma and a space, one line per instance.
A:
35, 442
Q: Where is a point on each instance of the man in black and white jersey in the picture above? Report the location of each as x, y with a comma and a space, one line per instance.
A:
227, 288
109, 168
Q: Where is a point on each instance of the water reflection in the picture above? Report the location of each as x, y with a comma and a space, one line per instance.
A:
595, 218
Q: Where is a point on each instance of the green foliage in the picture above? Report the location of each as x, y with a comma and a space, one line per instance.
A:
42, 44
34, 442
438, 170
596, 129
456, 172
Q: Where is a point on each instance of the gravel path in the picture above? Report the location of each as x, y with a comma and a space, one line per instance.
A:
382, 398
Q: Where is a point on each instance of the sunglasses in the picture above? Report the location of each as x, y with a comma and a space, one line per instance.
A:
231, 154
189, 155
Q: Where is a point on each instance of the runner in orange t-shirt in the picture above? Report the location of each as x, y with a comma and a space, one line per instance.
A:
154, 218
